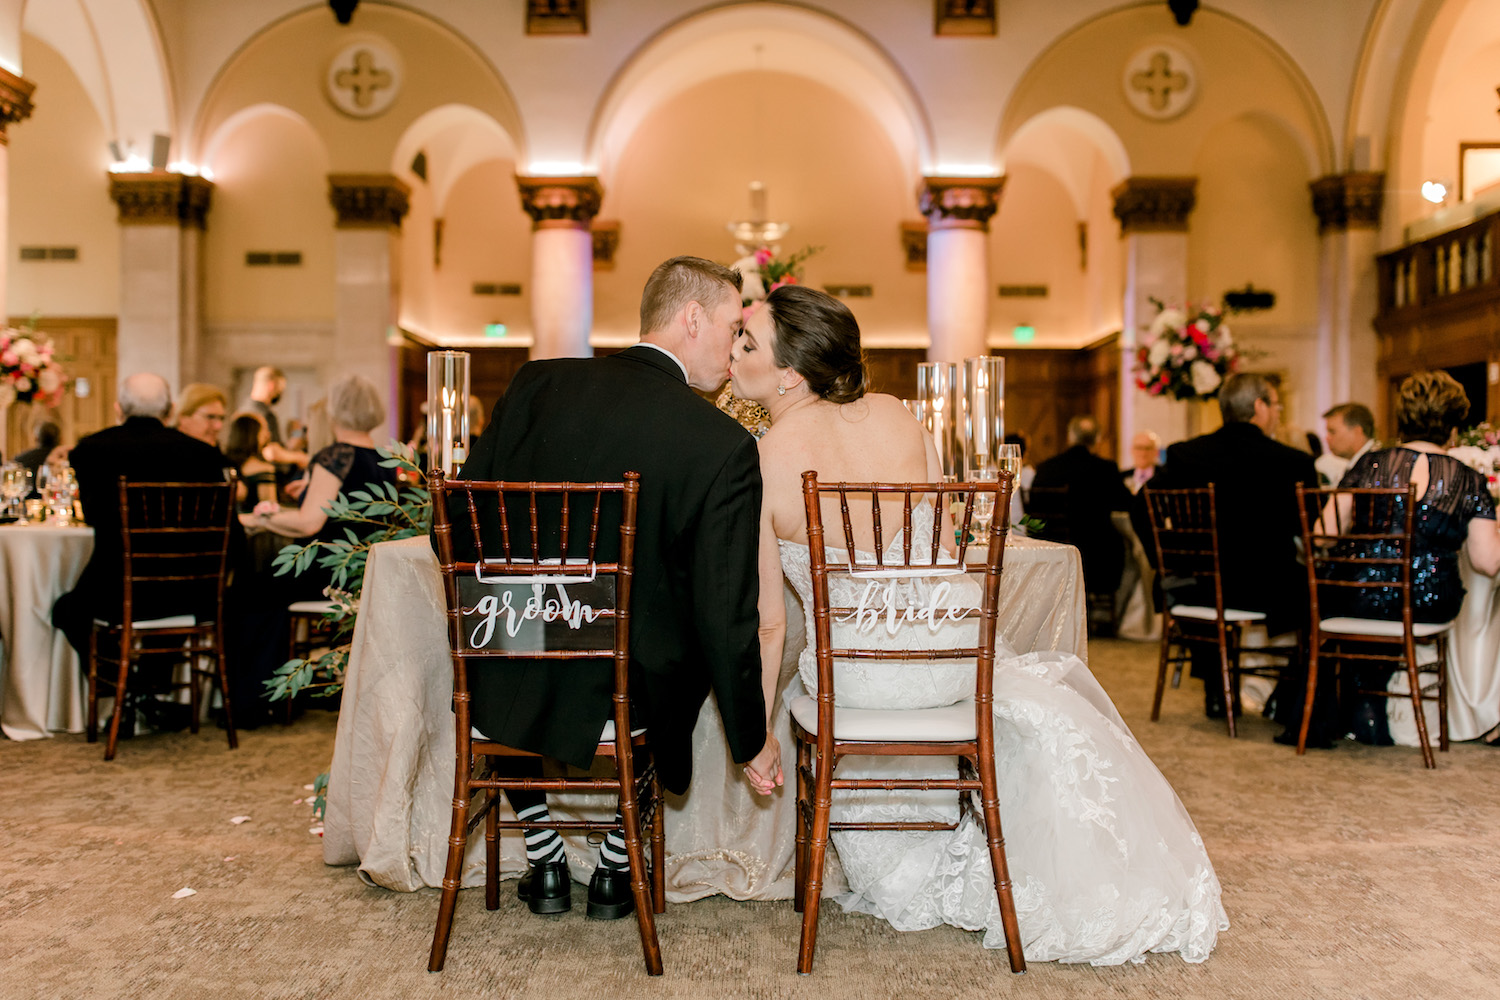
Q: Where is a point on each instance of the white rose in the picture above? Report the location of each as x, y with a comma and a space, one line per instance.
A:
30, 357
1205, 379
23, 345
1190, 352
49, 379
1157, 355
1168, 319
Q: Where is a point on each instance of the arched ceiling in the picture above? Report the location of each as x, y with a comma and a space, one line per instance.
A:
769, 37
456, 138
114, 49
1061, 141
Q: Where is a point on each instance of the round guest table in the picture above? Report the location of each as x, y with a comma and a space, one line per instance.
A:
42, 690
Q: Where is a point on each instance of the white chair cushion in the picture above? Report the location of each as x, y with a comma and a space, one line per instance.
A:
607, 735
311, 607
1202, 613
949, 724
1376, 626
176, 621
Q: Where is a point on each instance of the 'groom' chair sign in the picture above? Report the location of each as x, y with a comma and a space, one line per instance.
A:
537, 576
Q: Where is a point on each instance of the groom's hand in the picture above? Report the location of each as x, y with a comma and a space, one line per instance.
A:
764, 770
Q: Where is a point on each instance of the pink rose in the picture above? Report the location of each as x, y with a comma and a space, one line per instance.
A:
9, 358
762, 257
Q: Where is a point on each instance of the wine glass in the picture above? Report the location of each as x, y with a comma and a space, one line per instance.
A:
59, 493
15, 484
982, 470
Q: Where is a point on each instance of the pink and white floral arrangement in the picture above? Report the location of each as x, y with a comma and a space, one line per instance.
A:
763, 272
28, 371
1189, 354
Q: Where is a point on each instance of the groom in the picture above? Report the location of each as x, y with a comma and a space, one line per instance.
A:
693, 612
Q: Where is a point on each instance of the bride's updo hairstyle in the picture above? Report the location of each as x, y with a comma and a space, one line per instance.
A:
818, 338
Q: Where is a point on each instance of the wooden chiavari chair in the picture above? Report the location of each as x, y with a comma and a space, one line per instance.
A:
826, 734
515, 550
1374, 534
175, 538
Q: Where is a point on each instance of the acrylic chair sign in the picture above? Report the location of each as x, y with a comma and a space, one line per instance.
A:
566, 611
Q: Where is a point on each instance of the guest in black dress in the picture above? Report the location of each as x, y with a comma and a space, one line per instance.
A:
350, 463
244, 441
1453, 506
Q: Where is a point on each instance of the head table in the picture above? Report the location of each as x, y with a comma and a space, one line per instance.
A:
41, 687
391, 783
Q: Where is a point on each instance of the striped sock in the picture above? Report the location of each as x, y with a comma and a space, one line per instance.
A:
542, 846
612, 852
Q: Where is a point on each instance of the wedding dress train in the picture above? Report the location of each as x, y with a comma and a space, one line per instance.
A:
1106, 864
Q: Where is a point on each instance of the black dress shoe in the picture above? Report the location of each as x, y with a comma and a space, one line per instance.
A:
610, 897
547, 888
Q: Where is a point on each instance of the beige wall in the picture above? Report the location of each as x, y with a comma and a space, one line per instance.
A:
60, 197
828, 170
270, 193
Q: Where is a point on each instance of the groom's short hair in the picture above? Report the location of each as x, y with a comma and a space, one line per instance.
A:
681, 280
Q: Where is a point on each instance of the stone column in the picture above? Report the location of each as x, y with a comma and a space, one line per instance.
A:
1153, 214
958, 211
161, 219
367, 272
1348, 210
562, 262
15, 106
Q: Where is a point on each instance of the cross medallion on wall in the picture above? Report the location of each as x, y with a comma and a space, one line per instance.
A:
1160, 81
364, 78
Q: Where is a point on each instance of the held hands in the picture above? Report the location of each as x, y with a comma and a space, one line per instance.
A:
764, 770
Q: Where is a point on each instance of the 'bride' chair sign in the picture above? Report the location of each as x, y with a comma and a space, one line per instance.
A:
894, 615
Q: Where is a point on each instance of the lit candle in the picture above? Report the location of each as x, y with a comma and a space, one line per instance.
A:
447, 430
757, 201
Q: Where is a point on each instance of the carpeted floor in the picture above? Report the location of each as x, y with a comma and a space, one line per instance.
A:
1350, 873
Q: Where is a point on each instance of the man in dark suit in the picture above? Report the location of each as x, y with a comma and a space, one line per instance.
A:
142, 449
1255, 479
693, 613
1094, 491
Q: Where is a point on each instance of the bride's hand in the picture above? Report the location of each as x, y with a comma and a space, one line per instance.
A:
764, 770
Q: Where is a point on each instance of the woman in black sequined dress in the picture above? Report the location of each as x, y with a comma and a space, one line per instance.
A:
1453, 507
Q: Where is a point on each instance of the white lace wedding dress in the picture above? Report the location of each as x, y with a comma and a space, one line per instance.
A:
1105, 861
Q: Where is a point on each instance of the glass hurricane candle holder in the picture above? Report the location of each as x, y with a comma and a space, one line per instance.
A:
447, 411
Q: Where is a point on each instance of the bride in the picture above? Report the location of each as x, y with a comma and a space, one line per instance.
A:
1105, 861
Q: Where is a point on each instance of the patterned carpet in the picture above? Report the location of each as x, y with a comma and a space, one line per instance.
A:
1349, 873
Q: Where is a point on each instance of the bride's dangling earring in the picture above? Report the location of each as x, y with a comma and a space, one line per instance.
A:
781, 390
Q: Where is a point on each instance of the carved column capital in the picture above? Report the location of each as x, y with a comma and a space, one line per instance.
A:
1154, 204
368, 201
959, 202
1348, 201
161, 199
15, 100
560, 202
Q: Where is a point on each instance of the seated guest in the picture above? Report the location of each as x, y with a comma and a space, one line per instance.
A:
259, 628
1453, 507
1351, 433
201, 411
47, 436
143, 450
243, 442
1094, 491
1145, 451
1254, 478
350, 463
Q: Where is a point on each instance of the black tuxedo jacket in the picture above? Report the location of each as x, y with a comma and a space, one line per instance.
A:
143, 450
1255, 480
693, 609
1094, 490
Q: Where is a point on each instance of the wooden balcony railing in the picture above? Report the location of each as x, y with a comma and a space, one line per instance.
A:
1456, 267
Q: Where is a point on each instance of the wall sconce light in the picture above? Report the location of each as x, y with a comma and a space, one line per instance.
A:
1435, 191
1248, 299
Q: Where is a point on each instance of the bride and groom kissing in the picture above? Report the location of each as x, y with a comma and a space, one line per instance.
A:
1111, 867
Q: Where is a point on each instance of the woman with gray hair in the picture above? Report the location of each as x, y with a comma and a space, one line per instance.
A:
350, 463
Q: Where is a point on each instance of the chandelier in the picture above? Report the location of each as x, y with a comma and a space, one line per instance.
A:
756, 232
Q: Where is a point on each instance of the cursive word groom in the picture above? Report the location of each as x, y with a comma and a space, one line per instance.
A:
693, 611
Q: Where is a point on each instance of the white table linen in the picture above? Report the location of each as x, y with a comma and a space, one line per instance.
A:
391, 782
42, 690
